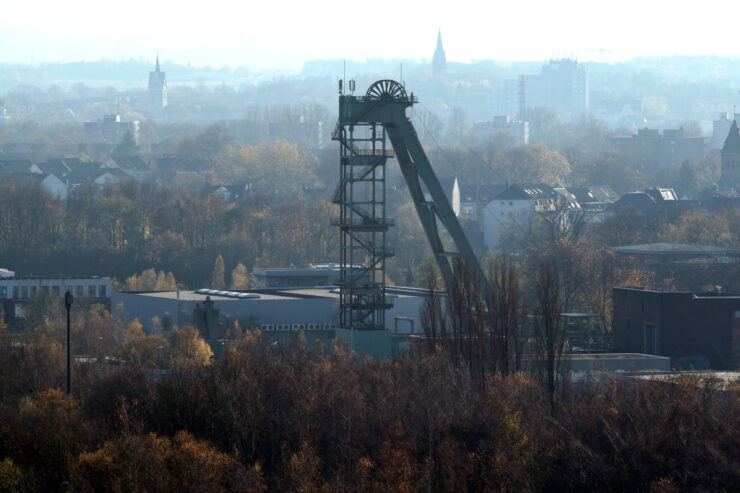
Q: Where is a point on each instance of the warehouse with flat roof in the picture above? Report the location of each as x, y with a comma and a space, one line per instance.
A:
314, 309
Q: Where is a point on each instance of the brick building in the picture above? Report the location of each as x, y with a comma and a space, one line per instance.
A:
687, 327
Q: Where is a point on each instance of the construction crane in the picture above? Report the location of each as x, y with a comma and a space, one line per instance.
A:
363, 125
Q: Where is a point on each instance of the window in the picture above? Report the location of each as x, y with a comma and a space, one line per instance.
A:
24, 292
78, 291
16, 292
45, 290
55, 290
33, 291
3, 292
91, 291
101, 291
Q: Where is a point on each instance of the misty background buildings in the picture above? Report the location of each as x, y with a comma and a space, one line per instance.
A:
578, 145
412, 247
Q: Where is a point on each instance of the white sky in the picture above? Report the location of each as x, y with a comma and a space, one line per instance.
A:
280, 34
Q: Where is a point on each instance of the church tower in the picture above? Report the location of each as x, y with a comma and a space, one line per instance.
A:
730, 171
439, 62
157, 89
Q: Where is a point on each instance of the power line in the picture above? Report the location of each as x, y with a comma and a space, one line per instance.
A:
458, 137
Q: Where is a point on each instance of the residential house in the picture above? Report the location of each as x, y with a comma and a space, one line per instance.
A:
513, 208
650, 200
595, 200
132, 166
474, 198
228, 193
720, 199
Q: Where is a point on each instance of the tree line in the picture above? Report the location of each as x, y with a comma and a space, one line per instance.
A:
130, 228
293, 417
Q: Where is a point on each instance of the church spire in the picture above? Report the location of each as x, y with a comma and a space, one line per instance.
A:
439, 62
157, 87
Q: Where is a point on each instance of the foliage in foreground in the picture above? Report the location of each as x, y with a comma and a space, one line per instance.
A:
292, 418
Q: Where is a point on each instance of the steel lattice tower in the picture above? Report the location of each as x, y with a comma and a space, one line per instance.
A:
363, 125
363, 224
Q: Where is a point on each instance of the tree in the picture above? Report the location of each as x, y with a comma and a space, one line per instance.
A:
190, 348
535, 163
303, 472
198, 153
127, 147
549, 333
504, 306
217, 277
11, 476
432, 316
155, 463
426, 269
240, 278
564, 221
608, 168
50, 431
151, 280
145, 351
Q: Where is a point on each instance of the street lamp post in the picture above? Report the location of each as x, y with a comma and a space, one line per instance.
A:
68, 299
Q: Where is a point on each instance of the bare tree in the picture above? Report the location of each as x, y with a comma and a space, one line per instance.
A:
549, 333
564, 220
432, 315
483, 334
505, 338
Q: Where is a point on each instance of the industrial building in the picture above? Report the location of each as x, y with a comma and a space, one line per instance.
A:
653, 254
18, 293
276, 312
651, 148
296, 277
693, 329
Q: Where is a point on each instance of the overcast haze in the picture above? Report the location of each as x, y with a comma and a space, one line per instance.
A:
282, 35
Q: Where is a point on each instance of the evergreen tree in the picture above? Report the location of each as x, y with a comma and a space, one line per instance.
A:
127, 147
217, 278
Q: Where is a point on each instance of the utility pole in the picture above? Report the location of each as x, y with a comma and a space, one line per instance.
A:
68, 299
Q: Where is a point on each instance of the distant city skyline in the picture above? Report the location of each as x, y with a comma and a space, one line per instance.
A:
276, 36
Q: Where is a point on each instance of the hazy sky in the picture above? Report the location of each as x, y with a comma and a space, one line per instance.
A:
280, 34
